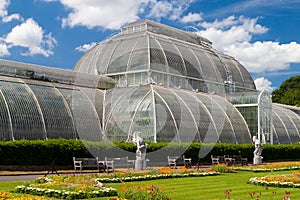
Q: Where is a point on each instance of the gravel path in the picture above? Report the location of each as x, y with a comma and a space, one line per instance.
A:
11, 178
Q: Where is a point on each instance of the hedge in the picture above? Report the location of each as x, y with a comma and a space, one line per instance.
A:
43, 152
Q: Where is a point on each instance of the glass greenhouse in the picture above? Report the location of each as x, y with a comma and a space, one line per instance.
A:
167, 84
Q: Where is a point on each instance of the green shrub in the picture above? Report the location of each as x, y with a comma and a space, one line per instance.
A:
43, 152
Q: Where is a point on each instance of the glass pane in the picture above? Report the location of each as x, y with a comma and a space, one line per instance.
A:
5, 125
281, 131
157, 58
175, 62
57, 119
84, 115
235, 72
120, 57
165, 124
209, 71
143, 119
191, 63
103, 63
26, 119
190, 130
96, 97
250, 114
248, 81
139, 57
220, 66
123, 104
275, 136
160, 78
290, 127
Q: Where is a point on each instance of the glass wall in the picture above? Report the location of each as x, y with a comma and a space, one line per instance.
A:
42, 110
256, 108
265, 133
286, 126
25, 117
165, 115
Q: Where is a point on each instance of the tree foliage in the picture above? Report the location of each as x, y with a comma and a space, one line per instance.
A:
288, 92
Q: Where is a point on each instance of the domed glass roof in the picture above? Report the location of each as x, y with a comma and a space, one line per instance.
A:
149, 52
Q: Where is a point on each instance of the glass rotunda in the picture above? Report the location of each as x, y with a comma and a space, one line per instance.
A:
167, 84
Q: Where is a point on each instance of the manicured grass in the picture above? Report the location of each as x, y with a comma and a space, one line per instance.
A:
9, 186
213, 187
207, 188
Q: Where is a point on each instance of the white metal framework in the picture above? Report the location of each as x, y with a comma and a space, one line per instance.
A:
171, 85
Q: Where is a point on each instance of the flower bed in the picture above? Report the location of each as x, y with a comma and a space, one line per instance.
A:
271, 167
154, 177
148, 191
67, 187
223, 168
285, 180
8, 195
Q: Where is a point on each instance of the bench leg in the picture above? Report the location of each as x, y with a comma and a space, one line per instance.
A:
102, 168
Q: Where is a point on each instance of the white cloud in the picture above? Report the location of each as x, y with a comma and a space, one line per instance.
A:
106, 14
85, 47
9, 18
233, 36
3, 7
169, 9
223, 39
266, 56
3, 50
231, 31
31, 36
192, 17
228, 22
254, 5
160, 9
114, 14
263, 84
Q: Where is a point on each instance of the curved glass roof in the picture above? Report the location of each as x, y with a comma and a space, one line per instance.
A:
167, 56
41, 110
164, 115
286, 125
49, 74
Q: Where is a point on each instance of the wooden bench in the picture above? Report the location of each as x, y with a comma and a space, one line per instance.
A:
83, 163
121, 162
174, 161
238, 159
228, 160
215, 160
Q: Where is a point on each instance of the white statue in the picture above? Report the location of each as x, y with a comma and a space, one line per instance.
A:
140, 162
257, 160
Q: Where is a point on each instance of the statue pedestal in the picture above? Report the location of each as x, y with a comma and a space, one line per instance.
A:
257, 160
140, 164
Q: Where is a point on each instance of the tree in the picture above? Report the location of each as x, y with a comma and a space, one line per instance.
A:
288, 92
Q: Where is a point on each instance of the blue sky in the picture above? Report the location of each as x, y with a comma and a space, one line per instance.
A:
263, 35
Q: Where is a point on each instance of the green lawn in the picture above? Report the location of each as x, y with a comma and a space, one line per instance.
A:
9, 186
211, 188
